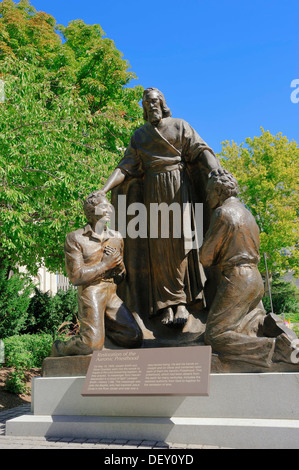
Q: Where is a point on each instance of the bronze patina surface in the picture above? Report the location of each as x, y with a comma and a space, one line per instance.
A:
159, 292
94, 263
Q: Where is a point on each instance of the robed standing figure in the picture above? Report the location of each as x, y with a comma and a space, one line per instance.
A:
165, 162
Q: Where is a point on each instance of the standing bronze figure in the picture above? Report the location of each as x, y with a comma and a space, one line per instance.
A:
166, 162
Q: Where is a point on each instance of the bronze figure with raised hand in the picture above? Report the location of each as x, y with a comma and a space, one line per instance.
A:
166, 163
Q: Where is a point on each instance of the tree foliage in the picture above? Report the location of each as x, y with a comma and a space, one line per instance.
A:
267, 171
68, 113
15, 295
284, 295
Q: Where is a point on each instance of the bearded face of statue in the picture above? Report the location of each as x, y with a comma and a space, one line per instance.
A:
152, 106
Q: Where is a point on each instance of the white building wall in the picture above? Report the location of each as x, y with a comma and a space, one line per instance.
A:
49, 282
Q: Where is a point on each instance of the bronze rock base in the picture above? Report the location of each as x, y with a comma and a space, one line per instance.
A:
70, 366
157, 335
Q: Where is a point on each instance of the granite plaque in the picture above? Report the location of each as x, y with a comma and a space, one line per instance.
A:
156, 371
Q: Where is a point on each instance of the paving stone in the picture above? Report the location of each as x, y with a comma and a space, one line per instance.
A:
120, 442
133, 443
177, 445
53, 439
162, 444
147, 444
101, 446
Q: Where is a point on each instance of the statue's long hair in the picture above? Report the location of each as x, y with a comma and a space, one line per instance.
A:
224, 182
165, 110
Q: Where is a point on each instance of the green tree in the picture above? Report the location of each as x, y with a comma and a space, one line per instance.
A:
267, 171
67, 115
284, 295
15, 294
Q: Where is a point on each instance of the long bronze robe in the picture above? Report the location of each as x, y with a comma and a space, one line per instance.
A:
162, 166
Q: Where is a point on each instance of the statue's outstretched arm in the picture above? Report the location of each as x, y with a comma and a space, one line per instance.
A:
114, 180
209, 161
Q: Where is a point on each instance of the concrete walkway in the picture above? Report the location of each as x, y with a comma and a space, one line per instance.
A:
31, 442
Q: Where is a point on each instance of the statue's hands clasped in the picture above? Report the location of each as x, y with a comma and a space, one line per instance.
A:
112, 257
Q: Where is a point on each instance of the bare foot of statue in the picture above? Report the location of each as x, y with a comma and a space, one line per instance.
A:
167, 316
181, 315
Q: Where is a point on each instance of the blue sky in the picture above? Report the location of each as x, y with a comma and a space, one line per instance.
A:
225, 66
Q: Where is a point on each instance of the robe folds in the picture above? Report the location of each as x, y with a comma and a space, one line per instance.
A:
163, 165
235, 324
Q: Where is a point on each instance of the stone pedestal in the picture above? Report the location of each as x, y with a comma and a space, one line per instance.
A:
243, 410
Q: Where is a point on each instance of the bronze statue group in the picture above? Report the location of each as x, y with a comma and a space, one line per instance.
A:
121, 280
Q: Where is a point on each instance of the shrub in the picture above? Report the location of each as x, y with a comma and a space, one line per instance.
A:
27, 351
296, 330
16, 382
284, 297
23, 353
47, 313
15, 296
293, 317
